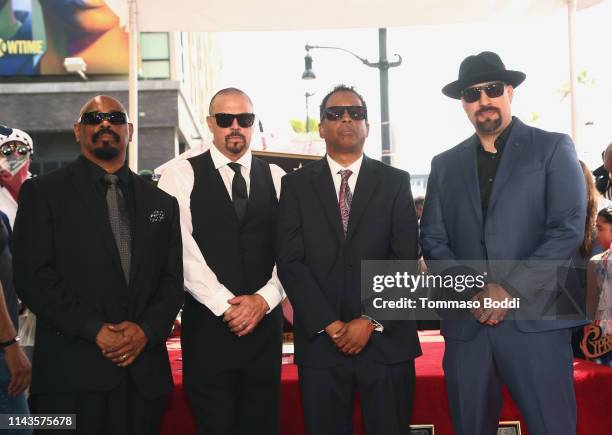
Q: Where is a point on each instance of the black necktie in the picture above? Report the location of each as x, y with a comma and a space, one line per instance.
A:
119, 222
239, 191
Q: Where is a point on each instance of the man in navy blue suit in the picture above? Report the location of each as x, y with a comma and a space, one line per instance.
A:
509, 193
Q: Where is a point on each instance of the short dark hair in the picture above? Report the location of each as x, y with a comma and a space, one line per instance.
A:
339, 88
419, 200
227, 91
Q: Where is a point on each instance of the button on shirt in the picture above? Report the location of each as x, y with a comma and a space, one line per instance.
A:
487, 167
200, 280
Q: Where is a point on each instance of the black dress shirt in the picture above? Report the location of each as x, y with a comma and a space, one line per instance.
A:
487, 167
101, 186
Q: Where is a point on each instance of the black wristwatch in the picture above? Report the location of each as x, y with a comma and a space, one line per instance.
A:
7, 343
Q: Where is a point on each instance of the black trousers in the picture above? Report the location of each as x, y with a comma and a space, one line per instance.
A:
386, 393
242, 401
121, 411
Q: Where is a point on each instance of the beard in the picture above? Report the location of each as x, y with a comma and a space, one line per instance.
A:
233, 146
106, 152
489, 125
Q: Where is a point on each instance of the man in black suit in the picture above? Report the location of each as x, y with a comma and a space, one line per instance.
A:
98, 259
232, 322
324, 232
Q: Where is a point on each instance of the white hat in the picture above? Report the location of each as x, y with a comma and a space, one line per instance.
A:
17, 136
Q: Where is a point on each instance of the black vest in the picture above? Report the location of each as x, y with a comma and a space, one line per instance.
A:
242, 257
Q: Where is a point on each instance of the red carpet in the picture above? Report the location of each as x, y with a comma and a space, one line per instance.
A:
593, 393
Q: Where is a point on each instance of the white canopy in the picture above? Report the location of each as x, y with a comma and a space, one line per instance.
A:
243, 15
269, 15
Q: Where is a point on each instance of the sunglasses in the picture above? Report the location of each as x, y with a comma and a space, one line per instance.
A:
493, 90
9, 148
335, 113
225, 120
95, 118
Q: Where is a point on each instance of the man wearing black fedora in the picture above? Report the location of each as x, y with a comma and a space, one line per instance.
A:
512, 196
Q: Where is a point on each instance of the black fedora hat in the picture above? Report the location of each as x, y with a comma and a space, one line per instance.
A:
484, 67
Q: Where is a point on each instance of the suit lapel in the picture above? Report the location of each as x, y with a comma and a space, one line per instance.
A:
324, 187
509, 161
367, 182
82, 182
138, 226
470, 174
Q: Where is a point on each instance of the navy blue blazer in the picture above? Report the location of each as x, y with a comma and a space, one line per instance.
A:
536, 212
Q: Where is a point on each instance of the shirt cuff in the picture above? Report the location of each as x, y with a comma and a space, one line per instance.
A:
216, 303
271, 295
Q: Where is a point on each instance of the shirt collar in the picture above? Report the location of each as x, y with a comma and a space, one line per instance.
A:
98, 173
353, 167
219, 160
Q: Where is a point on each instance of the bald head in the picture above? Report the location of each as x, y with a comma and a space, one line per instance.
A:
99, 101
226, 92
104, 136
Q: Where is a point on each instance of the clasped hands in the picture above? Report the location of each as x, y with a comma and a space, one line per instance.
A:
245, 313
121, 343
491, 316
351, 337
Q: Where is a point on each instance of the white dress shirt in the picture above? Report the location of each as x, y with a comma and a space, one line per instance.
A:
200, 280
336, 167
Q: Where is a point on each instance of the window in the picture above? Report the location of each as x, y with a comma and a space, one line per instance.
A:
155, 56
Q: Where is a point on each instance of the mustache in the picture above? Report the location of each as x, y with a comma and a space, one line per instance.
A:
104, 130
485, 108
235, 133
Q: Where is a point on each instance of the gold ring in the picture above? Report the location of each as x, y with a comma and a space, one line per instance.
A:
124, 357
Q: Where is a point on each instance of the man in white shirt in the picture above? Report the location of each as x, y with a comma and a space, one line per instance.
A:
232, 321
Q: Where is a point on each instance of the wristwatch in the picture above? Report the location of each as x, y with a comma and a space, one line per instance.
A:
7, 343
378, 327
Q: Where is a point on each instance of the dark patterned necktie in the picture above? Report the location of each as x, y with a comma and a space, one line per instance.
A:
119, 222
345, 197
239, 191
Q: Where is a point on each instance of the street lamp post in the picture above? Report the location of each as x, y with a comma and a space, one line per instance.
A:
383, 66
308, 95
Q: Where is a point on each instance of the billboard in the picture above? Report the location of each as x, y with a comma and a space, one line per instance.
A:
37, 35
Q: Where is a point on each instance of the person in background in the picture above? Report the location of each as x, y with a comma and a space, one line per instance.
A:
602, 174
16, 149
576, 280
599, 282
15, 368
419, 202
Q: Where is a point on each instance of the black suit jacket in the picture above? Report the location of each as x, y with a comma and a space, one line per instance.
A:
320, 268
67, 271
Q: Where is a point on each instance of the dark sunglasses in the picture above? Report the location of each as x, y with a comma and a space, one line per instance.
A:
225, 120
9, 148
493, 90
95, 118
335, 113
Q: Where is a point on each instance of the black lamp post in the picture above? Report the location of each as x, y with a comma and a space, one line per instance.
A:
383, 66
